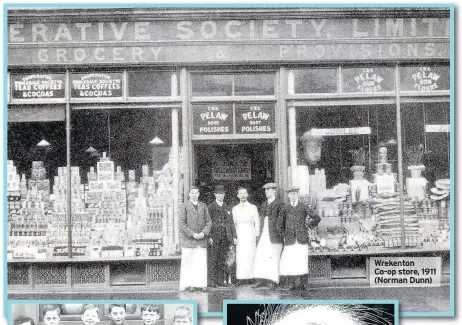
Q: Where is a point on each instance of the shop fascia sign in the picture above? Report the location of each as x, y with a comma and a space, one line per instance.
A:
341, 131
256, 40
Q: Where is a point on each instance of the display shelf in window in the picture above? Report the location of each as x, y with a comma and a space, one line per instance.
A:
111, 218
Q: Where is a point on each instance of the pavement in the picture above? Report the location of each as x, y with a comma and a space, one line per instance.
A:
422, 299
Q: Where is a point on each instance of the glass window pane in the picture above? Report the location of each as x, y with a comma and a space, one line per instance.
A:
424, 78
368, 79
315, 81
254, 84
427, 124
149, 83
211, 85
346, 128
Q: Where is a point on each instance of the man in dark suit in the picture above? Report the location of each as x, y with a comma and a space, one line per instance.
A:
269, 247
195, 224
222, 236
294, 221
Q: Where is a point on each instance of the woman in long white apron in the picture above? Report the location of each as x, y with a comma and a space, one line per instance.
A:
246, 220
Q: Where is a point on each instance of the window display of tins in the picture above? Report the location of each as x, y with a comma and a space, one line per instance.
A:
353, 218
111, 217
28, 213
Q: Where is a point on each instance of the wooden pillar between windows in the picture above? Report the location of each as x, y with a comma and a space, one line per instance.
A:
293, 146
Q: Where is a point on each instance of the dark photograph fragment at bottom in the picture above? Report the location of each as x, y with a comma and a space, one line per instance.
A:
311, 313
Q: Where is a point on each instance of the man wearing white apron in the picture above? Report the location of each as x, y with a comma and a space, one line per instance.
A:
294, 221
195, 225
269, 248
247, 223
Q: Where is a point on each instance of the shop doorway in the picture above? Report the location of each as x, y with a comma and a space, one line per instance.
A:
250, 165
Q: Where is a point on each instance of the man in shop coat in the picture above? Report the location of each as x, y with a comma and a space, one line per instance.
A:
195, 225
222, 236
295, 218
269, 247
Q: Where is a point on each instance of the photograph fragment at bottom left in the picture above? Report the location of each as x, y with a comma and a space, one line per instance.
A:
102, 312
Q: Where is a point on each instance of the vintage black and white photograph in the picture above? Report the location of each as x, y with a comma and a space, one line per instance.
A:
312, 313
108, 313
234, 152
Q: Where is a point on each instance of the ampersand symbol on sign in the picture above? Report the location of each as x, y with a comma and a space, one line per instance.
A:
221, 53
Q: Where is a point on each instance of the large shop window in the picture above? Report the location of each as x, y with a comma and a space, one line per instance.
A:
243, 84
341, 132
426, 133
122, 184
35, 151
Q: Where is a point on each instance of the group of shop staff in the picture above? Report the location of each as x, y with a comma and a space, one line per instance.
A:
269, 242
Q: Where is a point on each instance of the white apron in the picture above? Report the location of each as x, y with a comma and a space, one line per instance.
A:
267, 257
193, 271
247, 222
294, 260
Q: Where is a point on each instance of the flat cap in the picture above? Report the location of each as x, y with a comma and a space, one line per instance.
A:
270, 185
219, 189
293, 189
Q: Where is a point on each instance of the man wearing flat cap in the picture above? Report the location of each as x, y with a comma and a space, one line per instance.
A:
269, 247
295, 218
222, 236
195, 224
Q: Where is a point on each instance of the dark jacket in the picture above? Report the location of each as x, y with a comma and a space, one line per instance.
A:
194, 221
222, 222
272, 211
293, 223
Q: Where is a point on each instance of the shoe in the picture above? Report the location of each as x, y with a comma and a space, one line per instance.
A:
271, 285
191, 289
259, 284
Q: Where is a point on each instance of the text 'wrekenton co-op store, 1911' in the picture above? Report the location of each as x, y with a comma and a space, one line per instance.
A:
141, 103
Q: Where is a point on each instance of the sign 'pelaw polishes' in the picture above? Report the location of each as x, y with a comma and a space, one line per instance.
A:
212, 119
254, 118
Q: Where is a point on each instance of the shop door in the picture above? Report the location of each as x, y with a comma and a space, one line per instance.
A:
250, 165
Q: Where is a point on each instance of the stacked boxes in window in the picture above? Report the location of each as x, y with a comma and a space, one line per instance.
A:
385, 204
81, 226
29, 227
106, 204
13, 193
384, 179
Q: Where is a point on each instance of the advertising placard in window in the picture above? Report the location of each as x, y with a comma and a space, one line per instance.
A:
212, 119
238, 169
424, 78
254, 118
37, 86
368, 80
96, 85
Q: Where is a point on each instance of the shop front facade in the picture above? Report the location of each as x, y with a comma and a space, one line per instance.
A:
112, 119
